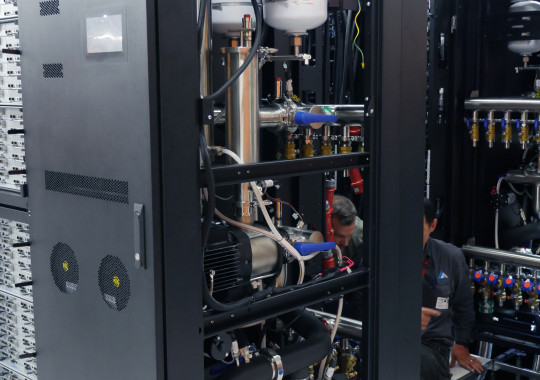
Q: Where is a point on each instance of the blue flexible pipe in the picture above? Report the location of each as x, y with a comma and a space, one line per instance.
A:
303, 118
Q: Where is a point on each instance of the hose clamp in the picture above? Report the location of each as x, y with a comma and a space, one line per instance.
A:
275, 361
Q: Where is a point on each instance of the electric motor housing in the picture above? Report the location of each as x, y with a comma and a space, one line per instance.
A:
236, 258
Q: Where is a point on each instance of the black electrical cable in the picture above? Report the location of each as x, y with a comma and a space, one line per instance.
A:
208, 299
223, 198
263, 294
326, 60
200, 21
285, 327
253, 51
211, 188
205, 230
346, 52
338, 55
354, 71
202, 10
264, 331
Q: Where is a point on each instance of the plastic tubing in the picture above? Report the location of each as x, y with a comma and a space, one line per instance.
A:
332, 334
284, 243
497, 216
339, 255
210, 190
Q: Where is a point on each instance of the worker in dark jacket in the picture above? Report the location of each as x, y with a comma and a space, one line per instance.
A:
447, 306
348, 229
348, 235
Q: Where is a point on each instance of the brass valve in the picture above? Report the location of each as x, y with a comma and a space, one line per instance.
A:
516, 295
347, 364
507, 134
501, 292
475, 129
307, 150
533, 299
475, 134
290, 151
290, 148
326, 149
490, 135
345, 149
524, 130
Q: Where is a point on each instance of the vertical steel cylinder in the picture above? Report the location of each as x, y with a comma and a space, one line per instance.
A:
205, 54
243, 121
536, 199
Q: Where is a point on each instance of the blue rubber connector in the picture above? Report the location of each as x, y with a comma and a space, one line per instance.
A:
527, 285
307, 248
509, 282
478, 276
303, 118
503, 124
468, 123
518, 124
536, 125
492, 279
486, 124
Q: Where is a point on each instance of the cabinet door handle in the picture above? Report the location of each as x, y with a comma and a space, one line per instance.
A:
139, 236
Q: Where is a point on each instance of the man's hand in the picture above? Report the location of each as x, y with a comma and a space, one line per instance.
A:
427, 314
463, 357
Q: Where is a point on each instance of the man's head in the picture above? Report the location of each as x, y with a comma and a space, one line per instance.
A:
430, 219
343, 220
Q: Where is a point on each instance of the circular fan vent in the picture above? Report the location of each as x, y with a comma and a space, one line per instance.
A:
64, 268
114, 282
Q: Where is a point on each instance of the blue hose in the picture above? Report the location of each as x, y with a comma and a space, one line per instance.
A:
303, 118
307, 248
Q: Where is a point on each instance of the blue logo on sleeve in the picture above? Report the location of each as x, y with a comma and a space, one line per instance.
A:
442, 277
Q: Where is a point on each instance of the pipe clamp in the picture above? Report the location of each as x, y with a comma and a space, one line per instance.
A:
275, 361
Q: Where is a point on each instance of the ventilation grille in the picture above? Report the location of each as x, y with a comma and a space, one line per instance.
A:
226, 263
114, 282
64, 268
49, 8
53, 70
90, 187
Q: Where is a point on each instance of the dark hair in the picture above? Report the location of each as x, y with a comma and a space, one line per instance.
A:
430, 211
344, 210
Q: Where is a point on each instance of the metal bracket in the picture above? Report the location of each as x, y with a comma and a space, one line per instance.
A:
275, 361
206, 112
265, 54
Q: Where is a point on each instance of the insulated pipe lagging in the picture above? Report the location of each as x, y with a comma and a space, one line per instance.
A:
294, 357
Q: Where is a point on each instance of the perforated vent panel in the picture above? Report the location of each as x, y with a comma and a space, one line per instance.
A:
49, 8
90, 187
53, 70
226, 263
114, 282
64, 268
